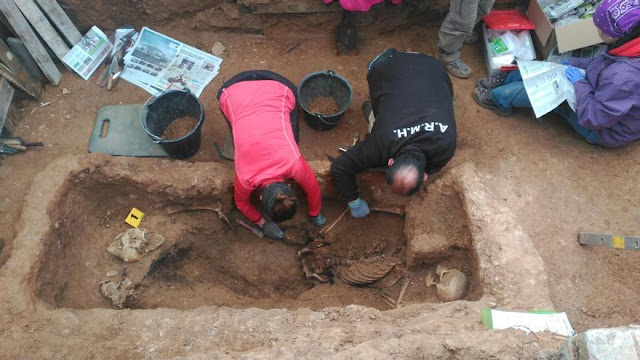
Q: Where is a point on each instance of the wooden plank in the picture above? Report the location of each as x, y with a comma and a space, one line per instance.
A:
6, 95
60, 19
15, 72
32, 12
30, 40
24, 57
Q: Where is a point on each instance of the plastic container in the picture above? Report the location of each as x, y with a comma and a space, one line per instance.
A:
327, 84
160, 110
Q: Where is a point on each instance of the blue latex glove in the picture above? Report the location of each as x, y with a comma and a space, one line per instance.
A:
271, 230
318, 220
573, 74
359, 208
564, 62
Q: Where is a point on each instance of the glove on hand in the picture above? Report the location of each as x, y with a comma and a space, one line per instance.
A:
318, 220
359, 208
573, 74
564, 62
271, 230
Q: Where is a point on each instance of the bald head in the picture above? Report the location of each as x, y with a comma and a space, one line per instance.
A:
405, 174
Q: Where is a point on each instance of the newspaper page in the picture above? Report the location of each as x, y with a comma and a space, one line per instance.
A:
158, 63
546, 86
85, 57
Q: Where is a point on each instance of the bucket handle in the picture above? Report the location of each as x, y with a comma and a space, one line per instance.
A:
319, 116
155, 139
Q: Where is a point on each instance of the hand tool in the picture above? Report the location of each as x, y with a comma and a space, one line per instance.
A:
257, 232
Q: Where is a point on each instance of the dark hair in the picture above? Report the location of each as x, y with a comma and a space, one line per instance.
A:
408, 161
279, 202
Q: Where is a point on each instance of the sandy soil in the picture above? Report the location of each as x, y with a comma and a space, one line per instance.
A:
555, 183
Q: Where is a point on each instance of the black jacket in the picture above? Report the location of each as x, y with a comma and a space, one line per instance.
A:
412, 99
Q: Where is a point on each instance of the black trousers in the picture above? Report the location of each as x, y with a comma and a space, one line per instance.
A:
254, 75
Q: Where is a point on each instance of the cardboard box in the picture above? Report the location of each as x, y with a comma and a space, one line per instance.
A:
577, 35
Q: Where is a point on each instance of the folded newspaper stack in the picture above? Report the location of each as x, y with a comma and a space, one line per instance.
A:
158, 63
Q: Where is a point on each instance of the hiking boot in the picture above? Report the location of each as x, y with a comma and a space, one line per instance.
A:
493, 81
471, 38
483, 97
458, 68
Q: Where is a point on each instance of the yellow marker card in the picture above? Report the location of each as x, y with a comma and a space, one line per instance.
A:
134, 218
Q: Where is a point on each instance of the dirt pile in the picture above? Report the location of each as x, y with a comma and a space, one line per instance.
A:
179, 128
324, 105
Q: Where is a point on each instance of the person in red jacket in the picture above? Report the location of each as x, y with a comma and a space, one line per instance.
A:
261, 108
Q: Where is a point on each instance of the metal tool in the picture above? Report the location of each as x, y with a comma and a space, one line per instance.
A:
608, 240
257, 232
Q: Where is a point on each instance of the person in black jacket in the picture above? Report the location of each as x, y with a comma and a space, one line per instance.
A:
411, 123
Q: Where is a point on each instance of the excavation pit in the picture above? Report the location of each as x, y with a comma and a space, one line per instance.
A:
205, 263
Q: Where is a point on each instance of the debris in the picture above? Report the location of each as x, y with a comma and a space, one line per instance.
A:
65, 91
218, 48
133, 244
452, 283
291, 47
295, 236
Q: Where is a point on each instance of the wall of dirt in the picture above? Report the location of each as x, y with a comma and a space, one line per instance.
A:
244, 16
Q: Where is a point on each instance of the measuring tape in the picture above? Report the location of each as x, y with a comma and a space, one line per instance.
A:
608, 240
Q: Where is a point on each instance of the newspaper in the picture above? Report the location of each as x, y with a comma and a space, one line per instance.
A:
546, 86
85, 57
157, 63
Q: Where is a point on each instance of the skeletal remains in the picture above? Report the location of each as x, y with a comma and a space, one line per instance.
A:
317, 263
452, 285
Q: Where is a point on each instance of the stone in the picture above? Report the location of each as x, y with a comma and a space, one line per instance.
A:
218, 48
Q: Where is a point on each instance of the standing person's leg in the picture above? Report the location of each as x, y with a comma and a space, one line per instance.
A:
455, 27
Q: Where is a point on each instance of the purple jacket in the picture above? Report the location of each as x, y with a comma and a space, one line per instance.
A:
609, 98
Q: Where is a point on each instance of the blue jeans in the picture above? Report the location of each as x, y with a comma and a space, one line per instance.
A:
513, 95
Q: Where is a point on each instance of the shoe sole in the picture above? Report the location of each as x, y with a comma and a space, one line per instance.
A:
459, 76
490, 107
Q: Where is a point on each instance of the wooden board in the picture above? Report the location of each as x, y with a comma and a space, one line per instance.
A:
32, 12
6, 95
15, 72
30, 40
60, 19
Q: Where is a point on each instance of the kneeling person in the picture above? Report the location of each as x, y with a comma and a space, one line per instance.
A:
261, 109
411, 124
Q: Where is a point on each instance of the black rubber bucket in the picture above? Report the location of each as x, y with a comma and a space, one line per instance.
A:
325, 84
159, 111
